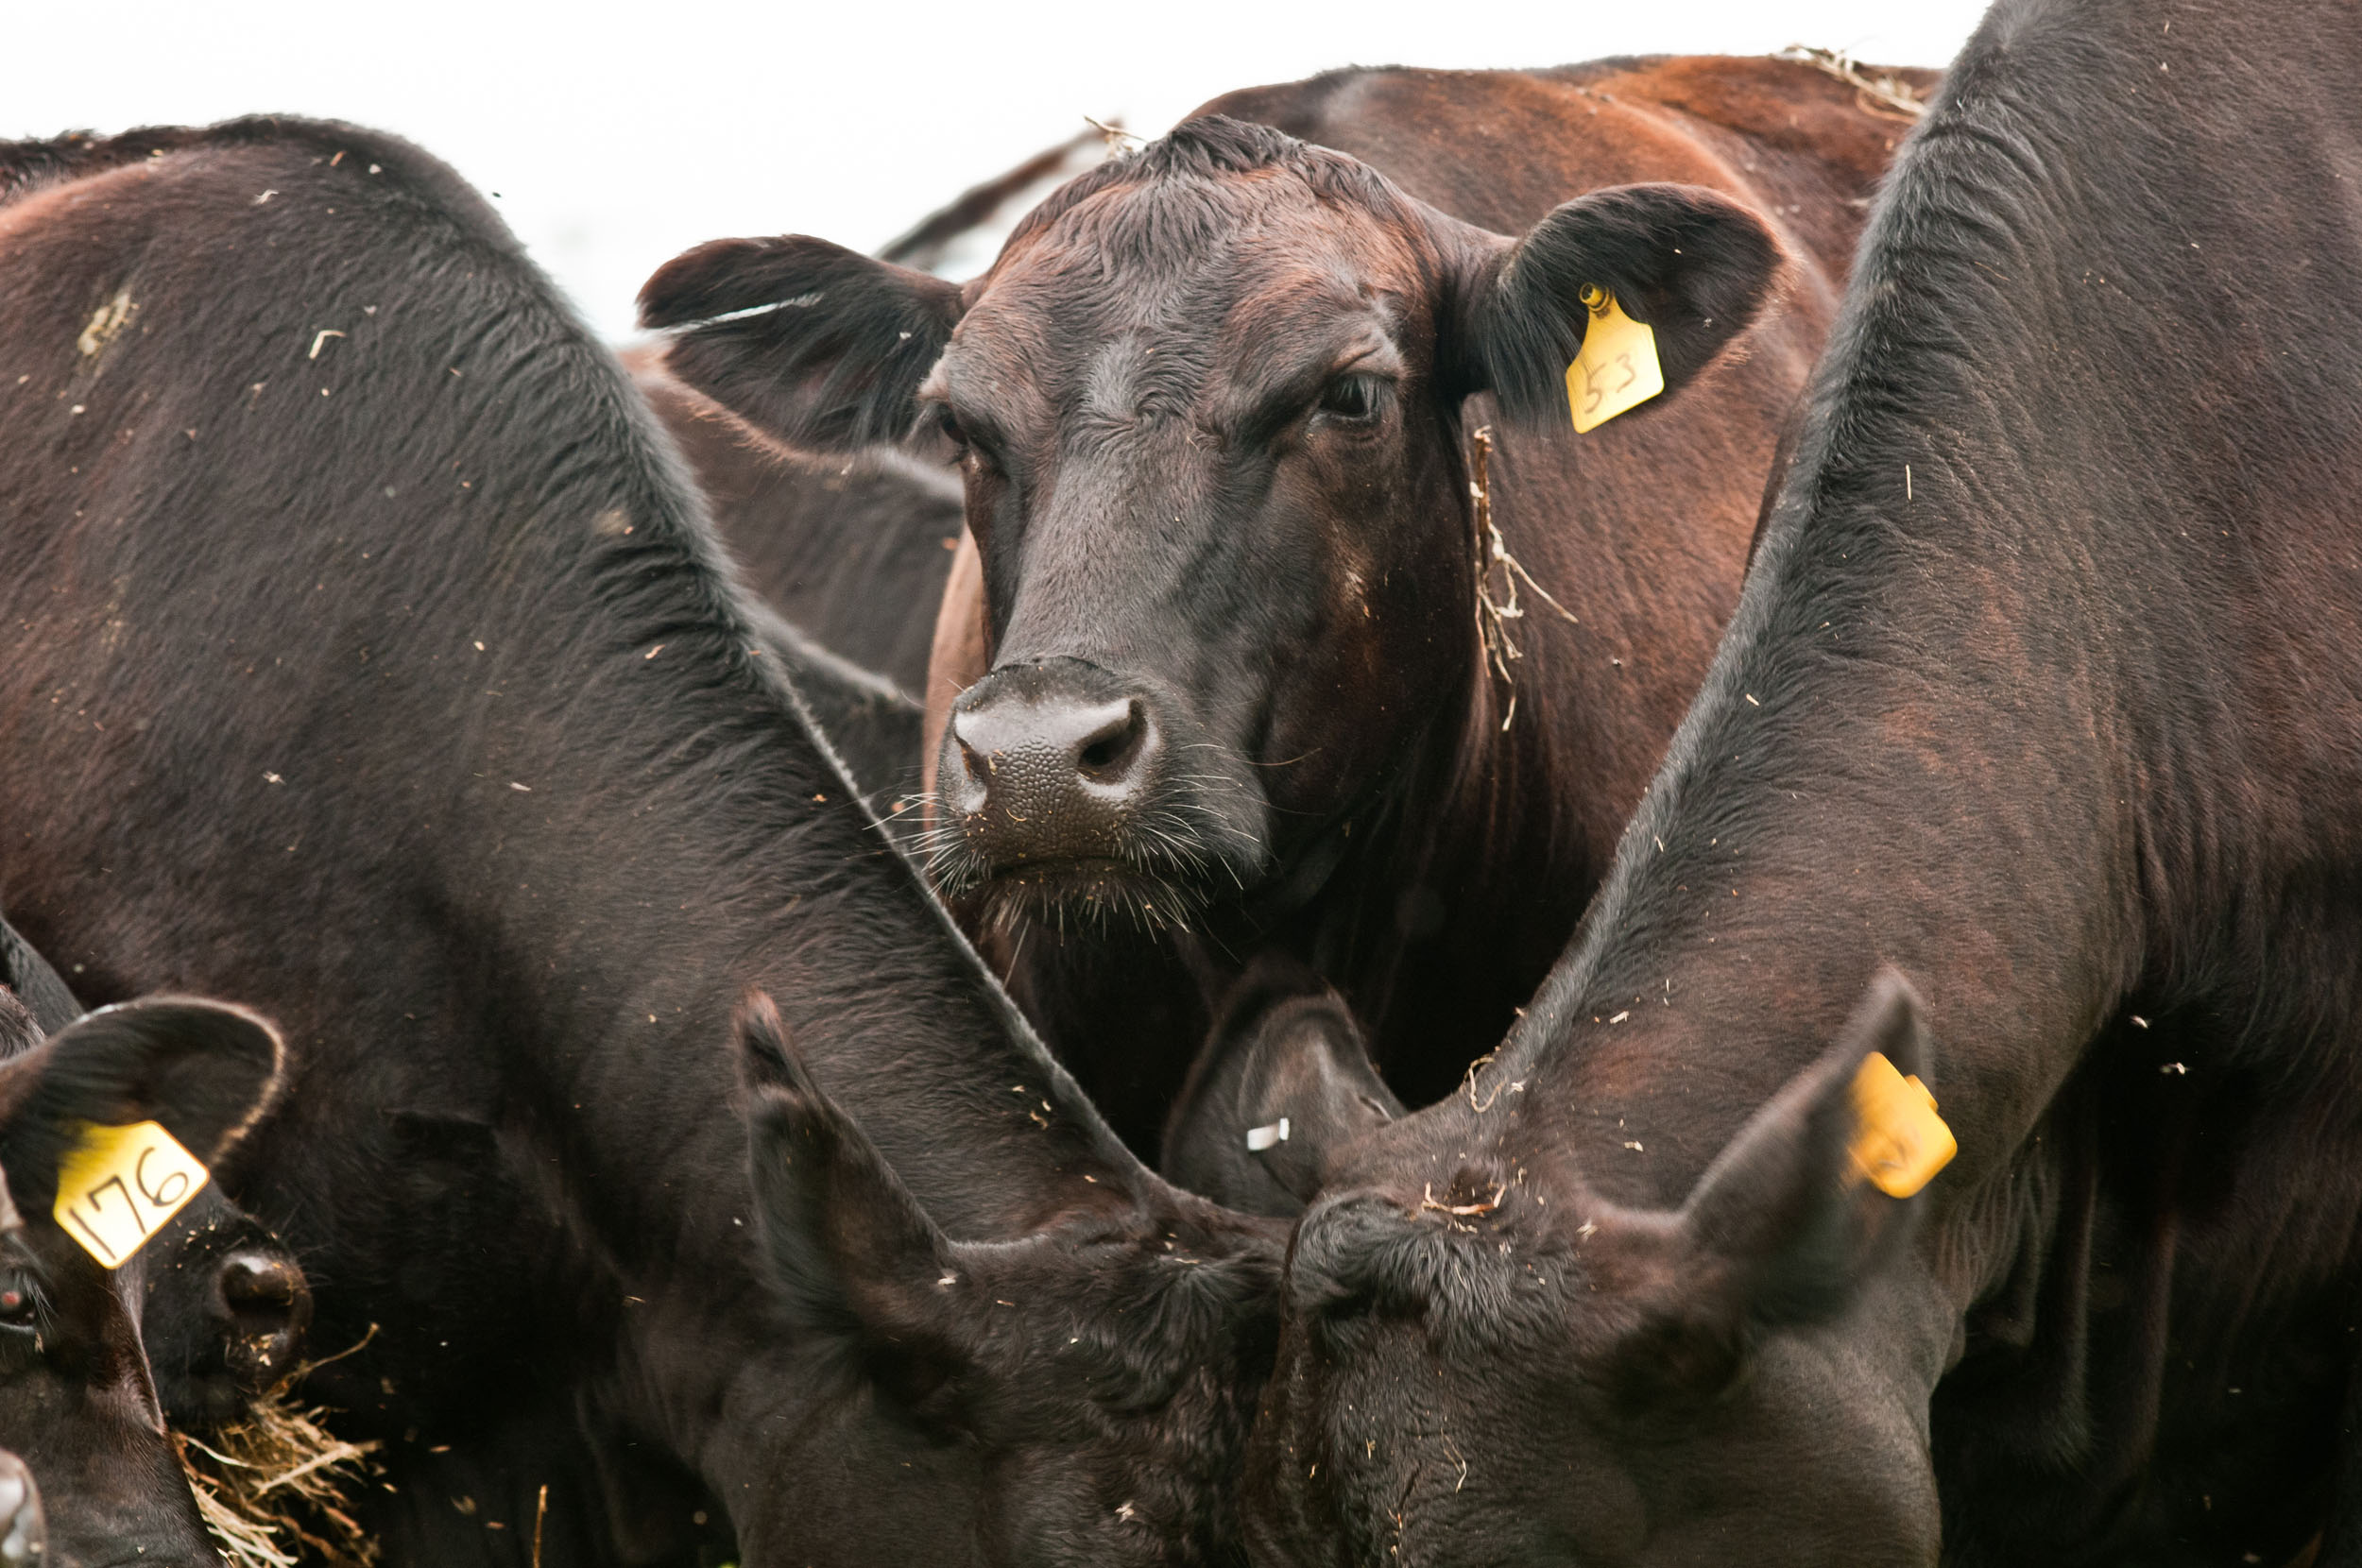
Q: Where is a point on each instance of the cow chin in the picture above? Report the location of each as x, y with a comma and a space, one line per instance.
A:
1097, 894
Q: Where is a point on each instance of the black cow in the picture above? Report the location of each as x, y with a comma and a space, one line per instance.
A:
414, 676
76, 1403
1210, 404
2046, 689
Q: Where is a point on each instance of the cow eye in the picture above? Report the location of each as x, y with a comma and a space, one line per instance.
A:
1354, 399
20, 1303
966, 449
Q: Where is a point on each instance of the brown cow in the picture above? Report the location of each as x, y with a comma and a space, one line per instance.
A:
1213, 401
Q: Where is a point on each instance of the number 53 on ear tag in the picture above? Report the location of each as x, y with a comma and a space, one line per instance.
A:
118, 1186
1617, 369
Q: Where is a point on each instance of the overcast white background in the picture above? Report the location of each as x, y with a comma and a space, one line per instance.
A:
618, 135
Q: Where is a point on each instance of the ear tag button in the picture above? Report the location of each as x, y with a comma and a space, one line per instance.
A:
1902, 1143
1617, 369
118, 1186
1260, 1138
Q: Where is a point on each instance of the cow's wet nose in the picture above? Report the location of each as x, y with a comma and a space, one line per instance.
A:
269, 1304
1045, 768
21, 1537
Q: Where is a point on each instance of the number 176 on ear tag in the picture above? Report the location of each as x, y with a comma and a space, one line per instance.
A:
1617, 369
118, 1186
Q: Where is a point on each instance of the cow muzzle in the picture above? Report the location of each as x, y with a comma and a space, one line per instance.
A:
1058, 777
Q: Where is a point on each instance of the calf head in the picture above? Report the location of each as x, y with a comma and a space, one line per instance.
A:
1513, 1369
1284, 1080
1207, 405
76, 1401
1078, 1395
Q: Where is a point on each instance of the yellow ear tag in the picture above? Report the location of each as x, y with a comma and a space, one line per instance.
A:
1617, 370
1902, 1142
119, 1185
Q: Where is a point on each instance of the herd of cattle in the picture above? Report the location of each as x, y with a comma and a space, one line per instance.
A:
1138, 912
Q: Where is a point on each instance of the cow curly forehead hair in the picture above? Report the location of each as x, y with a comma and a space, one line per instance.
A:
1208, 148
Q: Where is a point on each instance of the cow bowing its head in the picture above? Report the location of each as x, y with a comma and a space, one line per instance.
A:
1206, 405
1077, 1393
1504, 1365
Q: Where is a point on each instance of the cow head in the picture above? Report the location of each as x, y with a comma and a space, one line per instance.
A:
1513, 1369
1206, 405
1078, 1395
76, 1401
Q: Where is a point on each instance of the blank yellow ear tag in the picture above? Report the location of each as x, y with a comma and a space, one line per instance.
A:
1617, 370
118, 1186
1902, 1143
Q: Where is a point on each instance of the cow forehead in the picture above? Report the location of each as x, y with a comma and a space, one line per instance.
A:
1259, 269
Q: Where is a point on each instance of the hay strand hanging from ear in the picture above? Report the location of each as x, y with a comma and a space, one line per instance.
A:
1494, 615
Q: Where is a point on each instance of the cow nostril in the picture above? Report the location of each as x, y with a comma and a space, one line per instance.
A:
1110, 749
259, 1285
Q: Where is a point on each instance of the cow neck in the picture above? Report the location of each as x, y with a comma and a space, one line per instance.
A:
731, 852
1987, 711
1889, 763
1764, 882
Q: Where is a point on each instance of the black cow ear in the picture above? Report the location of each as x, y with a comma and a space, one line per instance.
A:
1786, 1222
1692, 263
1285, 1081
1782, 1229
817, 345
206, 1071
852, 1254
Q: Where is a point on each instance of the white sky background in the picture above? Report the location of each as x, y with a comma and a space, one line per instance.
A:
619, 135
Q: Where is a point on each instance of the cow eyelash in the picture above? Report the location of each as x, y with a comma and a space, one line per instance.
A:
958, 435
1354, 399
23, 1313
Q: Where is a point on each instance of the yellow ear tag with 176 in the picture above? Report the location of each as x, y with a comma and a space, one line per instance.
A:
1900, 1143
118, 1186
1617, 369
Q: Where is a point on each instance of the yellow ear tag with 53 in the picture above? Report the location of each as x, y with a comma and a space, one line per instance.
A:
118, 1186
1617, 370
1901, 1142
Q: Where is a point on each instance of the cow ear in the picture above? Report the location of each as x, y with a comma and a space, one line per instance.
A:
1783, 1227
1693, 264
852, 1254
816, 345
1284, 1082
205, 1070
